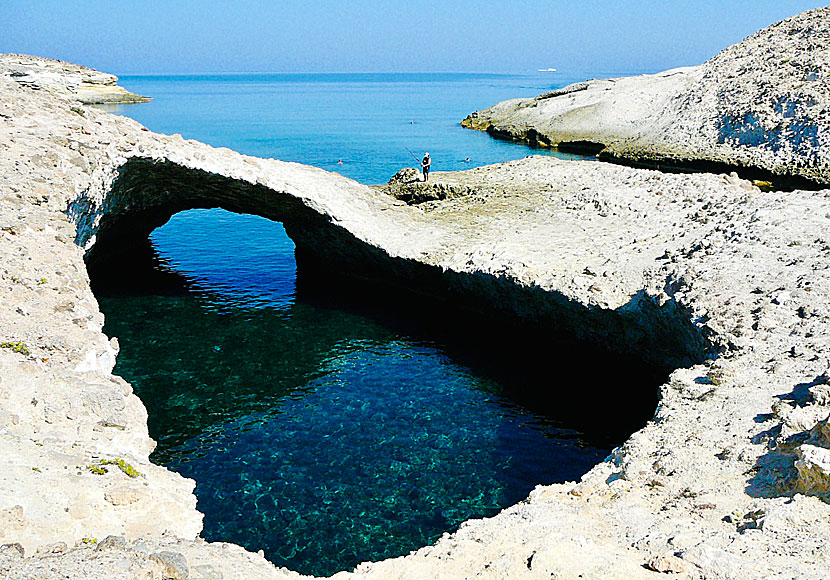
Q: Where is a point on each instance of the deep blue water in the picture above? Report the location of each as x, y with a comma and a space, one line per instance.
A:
320, 429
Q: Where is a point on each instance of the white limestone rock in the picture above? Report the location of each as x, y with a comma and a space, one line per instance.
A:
87, 85
813, 466
760, 104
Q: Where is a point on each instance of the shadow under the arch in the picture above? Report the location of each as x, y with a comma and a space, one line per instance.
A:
605, 394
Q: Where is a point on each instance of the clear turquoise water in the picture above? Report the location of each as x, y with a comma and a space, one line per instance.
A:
323, 429
365, 120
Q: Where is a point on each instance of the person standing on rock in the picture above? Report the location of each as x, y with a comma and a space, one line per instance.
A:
425, 165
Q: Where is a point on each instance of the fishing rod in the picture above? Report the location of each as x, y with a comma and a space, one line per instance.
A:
418, 161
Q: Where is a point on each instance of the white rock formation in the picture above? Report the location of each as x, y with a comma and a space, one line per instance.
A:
702, 269
760, 106
87, 85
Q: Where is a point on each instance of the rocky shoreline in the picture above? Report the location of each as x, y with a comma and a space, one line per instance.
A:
86, 85
705, 272
759, 108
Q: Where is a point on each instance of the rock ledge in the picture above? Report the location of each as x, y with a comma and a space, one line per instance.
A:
87, 85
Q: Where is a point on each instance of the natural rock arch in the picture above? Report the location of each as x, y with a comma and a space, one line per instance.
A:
146, 192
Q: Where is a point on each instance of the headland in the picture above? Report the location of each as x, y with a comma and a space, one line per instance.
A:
758, 107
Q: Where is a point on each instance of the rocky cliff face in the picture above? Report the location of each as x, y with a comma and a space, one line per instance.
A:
759, 107
89, 86
764, 102
704, 271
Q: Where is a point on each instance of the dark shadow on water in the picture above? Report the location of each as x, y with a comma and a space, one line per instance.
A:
604, 395
138, 271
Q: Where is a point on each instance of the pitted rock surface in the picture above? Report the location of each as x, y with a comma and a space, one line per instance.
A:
701, 270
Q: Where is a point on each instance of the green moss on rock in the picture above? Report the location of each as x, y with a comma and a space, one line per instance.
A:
16, 346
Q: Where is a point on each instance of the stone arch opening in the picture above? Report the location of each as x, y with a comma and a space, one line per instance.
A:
146, 193
480, 313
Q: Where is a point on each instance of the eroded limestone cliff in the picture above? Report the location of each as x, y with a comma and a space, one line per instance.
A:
759, 107
89, 86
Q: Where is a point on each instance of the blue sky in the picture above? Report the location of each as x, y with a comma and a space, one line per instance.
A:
383, 35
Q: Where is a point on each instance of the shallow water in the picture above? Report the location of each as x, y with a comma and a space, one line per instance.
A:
323, 429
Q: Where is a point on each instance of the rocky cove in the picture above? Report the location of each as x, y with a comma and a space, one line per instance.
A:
704, 273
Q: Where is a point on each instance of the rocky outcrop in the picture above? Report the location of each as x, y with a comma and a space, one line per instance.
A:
408, 186
759, 108
703, 271
89, 86
599, 112
813, 463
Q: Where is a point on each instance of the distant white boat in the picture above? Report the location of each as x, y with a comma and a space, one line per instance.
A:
547, 70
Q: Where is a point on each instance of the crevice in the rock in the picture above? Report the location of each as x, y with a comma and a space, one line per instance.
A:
581, 147
667, 164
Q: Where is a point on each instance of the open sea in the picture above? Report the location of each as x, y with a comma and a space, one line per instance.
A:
320, 428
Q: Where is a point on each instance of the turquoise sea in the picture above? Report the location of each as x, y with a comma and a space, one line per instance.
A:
323, 427
367, 121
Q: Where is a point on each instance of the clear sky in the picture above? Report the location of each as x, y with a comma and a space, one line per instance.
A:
516, 36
